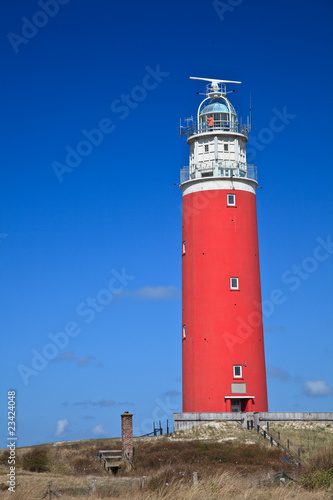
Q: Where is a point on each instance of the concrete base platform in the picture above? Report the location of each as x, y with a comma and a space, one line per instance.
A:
185, 421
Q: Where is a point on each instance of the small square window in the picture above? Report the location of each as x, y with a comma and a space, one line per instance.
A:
226, 147
206, 148
231, 200
234, 285
237, 371
183, 248
184, 332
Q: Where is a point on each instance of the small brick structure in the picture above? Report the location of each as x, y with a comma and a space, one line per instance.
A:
127, 435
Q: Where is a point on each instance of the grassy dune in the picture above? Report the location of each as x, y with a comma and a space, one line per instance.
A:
231, 462
309, 437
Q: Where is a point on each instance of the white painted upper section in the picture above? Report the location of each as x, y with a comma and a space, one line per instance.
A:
217, 142
214, 183
217, 149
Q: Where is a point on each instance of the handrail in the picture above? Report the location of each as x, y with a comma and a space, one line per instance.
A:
218, 126
272, 439
226, 169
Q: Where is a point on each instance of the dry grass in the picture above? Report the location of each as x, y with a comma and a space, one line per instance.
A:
229, 486
231, 463
32, 486
219, 431
181, 458
222, 486
309, 437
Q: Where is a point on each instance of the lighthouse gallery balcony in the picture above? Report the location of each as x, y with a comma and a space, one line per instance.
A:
218, 125
226, 169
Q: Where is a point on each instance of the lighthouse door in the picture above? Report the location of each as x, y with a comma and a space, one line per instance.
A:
235, 405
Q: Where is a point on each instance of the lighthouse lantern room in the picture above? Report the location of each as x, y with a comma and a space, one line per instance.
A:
222, 331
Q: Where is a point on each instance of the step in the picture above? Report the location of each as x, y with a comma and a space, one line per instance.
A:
102, 453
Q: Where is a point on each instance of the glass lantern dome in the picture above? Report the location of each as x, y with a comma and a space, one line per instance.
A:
218, 115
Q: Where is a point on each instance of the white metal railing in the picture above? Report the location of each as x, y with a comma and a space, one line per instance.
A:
223, 126
218, 169
221, 89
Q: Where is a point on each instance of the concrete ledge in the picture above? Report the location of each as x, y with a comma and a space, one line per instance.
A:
185, 421
263, 417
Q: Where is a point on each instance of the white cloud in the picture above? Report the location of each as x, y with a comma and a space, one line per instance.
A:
99, 430
84, 360
317, 388
69, 356
171, 392
61, 427
103, 402
275, 329
153, 293
277, 372
65, 356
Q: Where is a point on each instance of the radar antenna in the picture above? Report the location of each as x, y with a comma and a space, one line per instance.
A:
216, 86
212, 80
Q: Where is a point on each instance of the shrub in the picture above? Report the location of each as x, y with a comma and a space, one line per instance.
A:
4, 457
318, 479
163, 477
84, 462
36, 460
319, 472
85, 465
323, 460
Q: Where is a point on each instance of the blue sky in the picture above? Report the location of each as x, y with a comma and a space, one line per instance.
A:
110, 81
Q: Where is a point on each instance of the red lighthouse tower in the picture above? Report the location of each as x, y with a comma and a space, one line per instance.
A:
222, 332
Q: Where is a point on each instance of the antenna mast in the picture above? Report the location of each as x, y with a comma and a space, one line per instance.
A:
250, 111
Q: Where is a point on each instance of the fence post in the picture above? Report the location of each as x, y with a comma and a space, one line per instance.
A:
267, 425
288, 443
143, 481
167, 426
271, 441
50, 491
195, 479
279, 435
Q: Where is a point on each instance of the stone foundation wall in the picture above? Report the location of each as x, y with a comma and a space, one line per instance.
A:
185, 421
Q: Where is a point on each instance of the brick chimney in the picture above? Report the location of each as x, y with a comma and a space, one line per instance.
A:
127, 435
